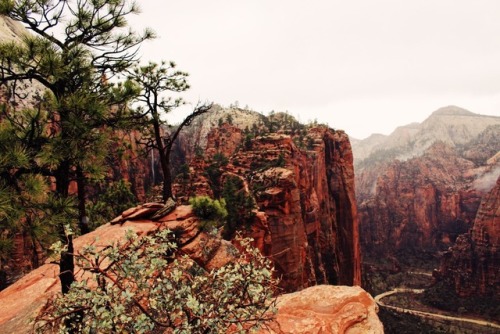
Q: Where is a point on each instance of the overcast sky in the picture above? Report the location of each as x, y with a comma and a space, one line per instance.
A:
362, 66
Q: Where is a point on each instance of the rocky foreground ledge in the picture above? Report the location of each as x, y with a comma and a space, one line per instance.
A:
318, 309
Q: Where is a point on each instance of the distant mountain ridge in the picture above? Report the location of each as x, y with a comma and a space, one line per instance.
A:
453, 111
420, 187
452, 125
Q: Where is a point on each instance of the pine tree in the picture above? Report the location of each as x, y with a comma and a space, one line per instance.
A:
155, 80
239, 204
27, 208
72, 52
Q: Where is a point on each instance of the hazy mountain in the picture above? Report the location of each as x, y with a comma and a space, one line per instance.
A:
451, 125
420, 187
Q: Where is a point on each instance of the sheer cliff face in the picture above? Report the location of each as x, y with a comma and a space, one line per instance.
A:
472, 265
133, 164
424, 189
421, 204
306, 220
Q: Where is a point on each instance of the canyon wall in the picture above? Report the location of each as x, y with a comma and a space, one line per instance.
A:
325, 309
128, 160
418, 205
420, 188
472, 265
306, 215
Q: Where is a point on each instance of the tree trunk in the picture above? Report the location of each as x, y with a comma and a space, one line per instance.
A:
164, 160
66, 265
62, 179
167, 179
83, 220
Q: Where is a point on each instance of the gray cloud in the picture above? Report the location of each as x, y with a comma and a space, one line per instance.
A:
488, 180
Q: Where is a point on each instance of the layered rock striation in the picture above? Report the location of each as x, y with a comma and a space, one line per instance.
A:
422, 204
420, 188
472, 265
452, 125
306, 215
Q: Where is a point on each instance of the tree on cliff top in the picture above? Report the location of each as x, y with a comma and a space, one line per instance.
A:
74, 48
155, 80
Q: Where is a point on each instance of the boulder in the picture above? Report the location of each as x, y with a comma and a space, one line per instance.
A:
326, 309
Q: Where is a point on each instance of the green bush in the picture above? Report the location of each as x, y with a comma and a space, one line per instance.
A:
141, 286
248, 142
198, 151
213, 212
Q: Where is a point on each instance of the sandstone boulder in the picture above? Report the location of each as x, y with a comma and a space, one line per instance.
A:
319, 309
326, 309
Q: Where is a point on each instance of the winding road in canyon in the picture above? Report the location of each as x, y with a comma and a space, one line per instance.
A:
378, 300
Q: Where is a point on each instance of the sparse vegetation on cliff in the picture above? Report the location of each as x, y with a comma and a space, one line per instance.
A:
213, 212
214, 173
143, 287
240, 206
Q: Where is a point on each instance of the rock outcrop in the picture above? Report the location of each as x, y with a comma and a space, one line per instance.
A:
197, 135
326, 309
451, 125
22, 300
11, 30
422, 204
472, 265
307, 217
420, 187
321, 309
224, 139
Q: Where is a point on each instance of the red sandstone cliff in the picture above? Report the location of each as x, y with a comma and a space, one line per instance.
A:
472, 265
307, 219
420, 187
133, 164
418, 205
321, 309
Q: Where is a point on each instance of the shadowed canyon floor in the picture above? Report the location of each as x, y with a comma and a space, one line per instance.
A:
381, 303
